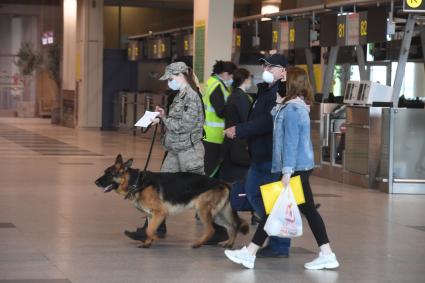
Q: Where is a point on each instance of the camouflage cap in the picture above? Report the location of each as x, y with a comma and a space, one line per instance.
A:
174, 69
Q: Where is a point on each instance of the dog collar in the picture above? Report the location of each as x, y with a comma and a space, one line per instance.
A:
132, 187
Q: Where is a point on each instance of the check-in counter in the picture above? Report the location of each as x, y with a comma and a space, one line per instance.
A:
362, 146
326, 137
402, 168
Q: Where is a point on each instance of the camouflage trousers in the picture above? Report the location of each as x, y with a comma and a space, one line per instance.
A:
190, 160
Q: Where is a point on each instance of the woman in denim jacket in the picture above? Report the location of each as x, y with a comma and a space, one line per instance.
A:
293, 156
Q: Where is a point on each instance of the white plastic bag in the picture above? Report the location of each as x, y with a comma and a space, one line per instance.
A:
285, 218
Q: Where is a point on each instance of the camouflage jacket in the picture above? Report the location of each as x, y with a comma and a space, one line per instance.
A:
185, 120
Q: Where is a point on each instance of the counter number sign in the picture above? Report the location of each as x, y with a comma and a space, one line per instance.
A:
341, 30
238, 40
291, 35
417, 6
363, 28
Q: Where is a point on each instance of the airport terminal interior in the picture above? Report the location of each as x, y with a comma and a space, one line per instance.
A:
76, 76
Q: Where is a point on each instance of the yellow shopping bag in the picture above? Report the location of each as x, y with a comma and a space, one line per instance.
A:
270, 192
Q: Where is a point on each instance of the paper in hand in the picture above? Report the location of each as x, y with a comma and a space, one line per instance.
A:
146, 120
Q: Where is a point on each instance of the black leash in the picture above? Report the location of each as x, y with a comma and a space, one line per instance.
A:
133, 189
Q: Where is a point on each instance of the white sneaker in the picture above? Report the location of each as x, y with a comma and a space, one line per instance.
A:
323, 262
241, 256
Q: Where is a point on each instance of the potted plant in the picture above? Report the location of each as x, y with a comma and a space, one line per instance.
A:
28, 61
52, 65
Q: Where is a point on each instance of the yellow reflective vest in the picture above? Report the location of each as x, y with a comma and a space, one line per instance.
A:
214, 125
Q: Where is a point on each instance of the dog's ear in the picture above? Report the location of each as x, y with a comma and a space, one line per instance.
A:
118, 160
128, 163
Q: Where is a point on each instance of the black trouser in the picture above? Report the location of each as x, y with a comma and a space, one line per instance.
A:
309, 210
212, 158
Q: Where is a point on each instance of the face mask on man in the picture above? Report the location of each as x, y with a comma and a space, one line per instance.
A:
174, 85
229, 82
268, 77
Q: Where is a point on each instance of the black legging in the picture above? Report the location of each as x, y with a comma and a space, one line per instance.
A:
309, 210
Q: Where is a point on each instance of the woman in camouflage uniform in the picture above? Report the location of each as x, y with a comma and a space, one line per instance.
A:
184, 123
183, 131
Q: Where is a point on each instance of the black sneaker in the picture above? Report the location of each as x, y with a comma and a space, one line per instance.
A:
162, 230
220, 235
217, 238
138, 235
267, 251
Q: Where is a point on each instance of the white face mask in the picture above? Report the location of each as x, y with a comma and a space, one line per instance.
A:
174, 85
268, 77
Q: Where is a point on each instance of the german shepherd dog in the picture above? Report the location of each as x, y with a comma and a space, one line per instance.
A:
161, 194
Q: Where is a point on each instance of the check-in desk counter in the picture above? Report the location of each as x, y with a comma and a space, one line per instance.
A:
326, 138
402, 168
362, 146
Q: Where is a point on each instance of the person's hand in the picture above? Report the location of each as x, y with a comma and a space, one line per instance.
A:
155, 121
161, 111
286, 179
230, 132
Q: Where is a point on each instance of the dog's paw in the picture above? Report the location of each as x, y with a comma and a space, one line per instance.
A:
144, 246
196, 245
227, 245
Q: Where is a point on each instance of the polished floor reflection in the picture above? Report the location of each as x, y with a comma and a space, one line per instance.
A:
56, 226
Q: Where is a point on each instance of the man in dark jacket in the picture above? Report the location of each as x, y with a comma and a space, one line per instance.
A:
258, 130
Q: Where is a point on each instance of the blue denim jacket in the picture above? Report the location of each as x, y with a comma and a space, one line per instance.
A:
292, 147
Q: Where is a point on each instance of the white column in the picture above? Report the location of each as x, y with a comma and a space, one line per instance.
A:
90, 63
216, 16
69, 44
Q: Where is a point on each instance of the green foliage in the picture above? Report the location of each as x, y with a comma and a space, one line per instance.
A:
53, 63
28, 59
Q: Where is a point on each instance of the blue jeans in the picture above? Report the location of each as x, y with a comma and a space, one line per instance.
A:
260, 174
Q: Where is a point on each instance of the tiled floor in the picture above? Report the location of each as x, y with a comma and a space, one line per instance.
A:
55, 224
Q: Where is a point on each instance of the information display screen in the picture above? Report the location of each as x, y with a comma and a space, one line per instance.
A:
328, 30
265, 32
247, 38
184, 45
377, 24
302, 33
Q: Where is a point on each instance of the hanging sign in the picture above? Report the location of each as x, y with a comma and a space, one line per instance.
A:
284, 36
414, 6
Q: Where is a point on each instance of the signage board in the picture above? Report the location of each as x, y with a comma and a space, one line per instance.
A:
328, 30
341, 31
414, 6
265, 33
363, 28
236, 41
291, 35
284, 36
275, 35
302, 35
352, 37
